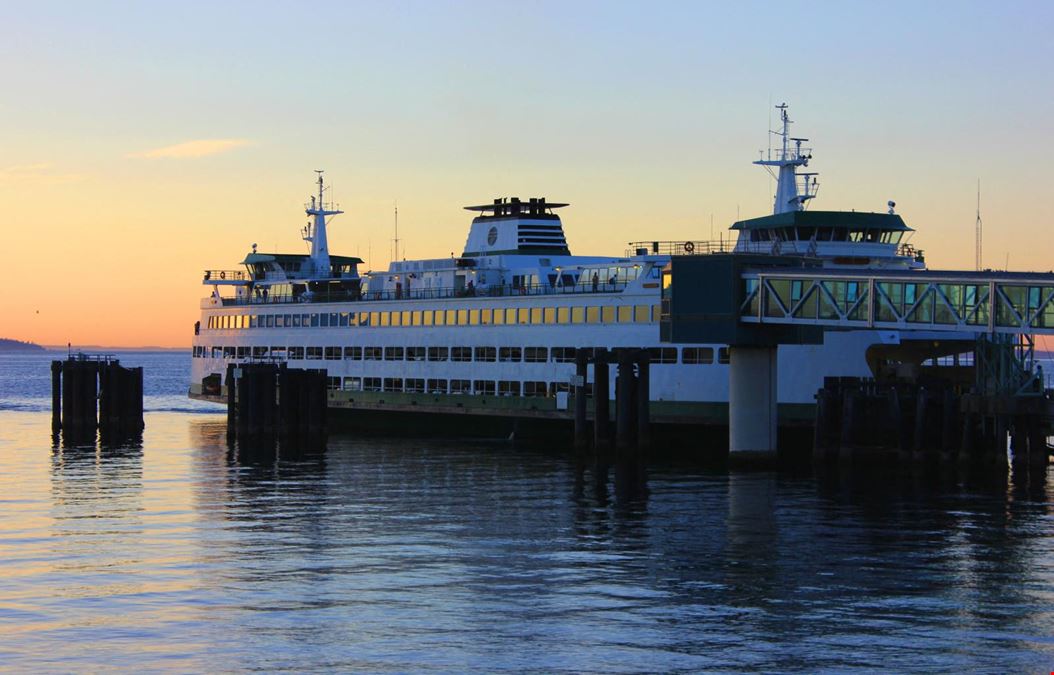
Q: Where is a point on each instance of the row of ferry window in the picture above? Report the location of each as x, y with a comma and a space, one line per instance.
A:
441, 317
689, 355
413, 385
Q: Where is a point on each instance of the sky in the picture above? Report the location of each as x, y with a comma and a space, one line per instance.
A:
143, 142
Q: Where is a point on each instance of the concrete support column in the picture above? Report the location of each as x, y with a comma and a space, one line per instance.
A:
752, 405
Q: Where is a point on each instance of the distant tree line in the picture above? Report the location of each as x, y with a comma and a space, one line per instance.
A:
8, 345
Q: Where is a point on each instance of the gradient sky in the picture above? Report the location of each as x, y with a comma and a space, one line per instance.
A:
141, 143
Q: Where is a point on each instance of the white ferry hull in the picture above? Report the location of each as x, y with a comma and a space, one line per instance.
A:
398, 368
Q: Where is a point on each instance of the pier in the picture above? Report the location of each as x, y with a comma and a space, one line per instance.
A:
757, 303
96, 393
267, 401
632, 419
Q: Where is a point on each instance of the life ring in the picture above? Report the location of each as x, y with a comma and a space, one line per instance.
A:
223, 275
688, 247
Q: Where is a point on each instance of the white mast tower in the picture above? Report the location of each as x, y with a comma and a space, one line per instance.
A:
977, 230
788, 159
316, 231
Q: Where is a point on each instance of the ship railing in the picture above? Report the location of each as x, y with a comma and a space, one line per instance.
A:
792, 154
258, 297
224, 275
705, 247
96, 358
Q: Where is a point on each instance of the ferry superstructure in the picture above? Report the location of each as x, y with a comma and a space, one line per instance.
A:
491, 334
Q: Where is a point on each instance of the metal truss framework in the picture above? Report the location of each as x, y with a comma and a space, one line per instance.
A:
979, 303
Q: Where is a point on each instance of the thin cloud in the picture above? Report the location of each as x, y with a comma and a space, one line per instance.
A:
40, 173
192, 149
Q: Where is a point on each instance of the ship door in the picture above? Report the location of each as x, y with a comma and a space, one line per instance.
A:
459, 284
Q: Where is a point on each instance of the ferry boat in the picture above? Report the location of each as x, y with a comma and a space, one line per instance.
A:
485, 341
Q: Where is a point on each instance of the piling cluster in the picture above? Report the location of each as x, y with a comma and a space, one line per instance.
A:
90, 394
632, 419
859, 418
265, 400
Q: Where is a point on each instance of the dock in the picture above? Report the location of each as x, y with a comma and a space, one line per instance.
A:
756, 303
95, 394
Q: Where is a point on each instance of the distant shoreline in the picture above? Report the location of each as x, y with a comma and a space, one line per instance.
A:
99, 348
9, 345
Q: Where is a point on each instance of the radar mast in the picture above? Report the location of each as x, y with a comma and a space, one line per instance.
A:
791, 194
315, 232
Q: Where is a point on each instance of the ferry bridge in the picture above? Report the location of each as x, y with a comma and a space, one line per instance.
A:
755, 303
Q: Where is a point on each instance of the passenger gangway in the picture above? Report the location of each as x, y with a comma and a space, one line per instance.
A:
754, 303
985, 302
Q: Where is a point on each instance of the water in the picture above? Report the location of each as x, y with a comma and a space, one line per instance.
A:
449, 556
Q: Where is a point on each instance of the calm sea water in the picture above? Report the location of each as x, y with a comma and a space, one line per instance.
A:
396, 555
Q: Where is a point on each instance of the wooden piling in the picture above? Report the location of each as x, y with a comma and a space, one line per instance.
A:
601, 396
581, 373
267, 400
138, 421
1038, 454
78, 398
821, 421
317, 401
324, 409
851, 423
827, 433
927, 424
242, 403
271, 401
96, 394
625, 410
113, 397
70, 389
107, 375
56, 395
999, 440
950, 427
288, 400
303, 403
232, 399
643, 394
968, 438
1019, 441
90, 401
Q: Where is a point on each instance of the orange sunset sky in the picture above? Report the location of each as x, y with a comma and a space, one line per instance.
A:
145, 142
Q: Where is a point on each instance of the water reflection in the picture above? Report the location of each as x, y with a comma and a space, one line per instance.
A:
96, 522
109, 478
409, 555
752, 534
105, 438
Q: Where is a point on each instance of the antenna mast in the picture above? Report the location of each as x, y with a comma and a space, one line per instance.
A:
316, 231
977, 228
396, 231
788, 158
